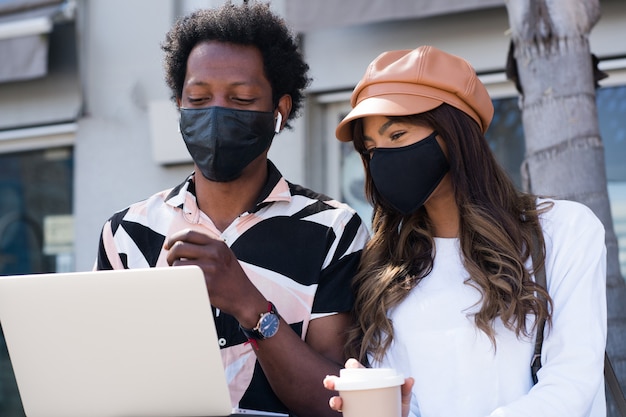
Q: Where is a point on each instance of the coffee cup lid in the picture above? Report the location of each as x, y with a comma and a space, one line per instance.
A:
367, 378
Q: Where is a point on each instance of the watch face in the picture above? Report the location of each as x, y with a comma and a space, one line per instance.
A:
268, 325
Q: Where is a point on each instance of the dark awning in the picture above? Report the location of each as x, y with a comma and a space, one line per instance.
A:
25, 26
38, 87
307, 15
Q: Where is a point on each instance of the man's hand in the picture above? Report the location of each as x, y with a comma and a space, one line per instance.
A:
230, 289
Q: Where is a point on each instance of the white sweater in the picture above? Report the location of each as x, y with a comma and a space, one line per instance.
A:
457, 371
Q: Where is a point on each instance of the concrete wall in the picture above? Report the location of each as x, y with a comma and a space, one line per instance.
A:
122, 73
339, 56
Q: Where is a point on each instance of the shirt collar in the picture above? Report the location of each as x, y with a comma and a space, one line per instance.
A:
276, 189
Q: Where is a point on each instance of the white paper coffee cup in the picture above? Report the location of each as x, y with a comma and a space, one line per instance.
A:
370, 392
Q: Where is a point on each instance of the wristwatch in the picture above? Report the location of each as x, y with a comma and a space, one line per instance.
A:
266, 327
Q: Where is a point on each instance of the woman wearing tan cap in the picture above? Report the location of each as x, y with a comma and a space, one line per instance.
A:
445, 292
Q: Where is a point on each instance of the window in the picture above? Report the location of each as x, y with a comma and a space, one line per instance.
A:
611, 110
35, 189
35, 230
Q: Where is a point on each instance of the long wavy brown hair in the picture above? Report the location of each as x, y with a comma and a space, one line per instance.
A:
497, 225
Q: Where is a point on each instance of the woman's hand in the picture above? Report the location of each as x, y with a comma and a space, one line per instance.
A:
336, 403
329, 383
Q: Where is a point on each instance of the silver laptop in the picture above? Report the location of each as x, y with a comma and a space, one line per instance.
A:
126, 343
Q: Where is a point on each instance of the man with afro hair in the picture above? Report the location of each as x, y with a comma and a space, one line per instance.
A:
278, 259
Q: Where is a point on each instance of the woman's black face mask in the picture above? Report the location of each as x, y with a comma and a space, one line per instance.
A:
405, 177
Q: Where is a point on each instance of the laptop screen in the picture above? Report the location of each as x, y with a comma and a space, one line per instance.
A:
125, 343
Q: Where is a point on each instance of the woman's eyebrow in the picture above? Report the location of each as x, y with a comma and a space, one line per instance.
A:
385, 126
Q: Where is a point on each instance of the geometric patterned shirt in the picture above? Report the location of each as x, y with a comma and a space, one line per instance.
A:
299, 248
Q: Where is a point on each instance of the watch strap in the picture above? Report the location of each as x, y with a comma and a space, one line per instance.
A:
254, 333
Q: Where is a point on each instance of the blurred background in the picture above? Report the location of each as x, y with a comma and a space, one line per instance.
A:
87, 127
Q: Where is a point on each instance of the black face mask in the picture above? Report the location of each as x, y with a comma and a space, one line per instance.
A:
223, 141
407, 176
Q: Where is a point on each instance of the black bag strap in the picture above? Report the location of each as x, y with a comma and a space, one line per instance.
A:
610, 377
540, 279
613, 383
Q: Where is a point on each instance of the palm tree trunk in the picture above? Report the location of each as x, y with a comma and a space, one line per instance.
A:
564, 151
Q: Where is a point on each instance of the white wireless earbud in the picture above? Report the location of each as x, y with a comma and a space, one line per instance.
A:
279, 121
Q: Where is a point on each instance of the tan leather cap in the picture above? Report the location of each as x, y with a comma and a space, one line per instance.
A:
401, 83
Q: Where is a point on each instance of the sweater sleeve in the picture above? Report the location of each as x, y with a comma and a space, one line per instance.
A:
571, 380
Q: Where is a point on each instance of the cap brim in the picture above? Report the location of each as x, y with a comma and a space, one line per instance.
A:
387, 105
